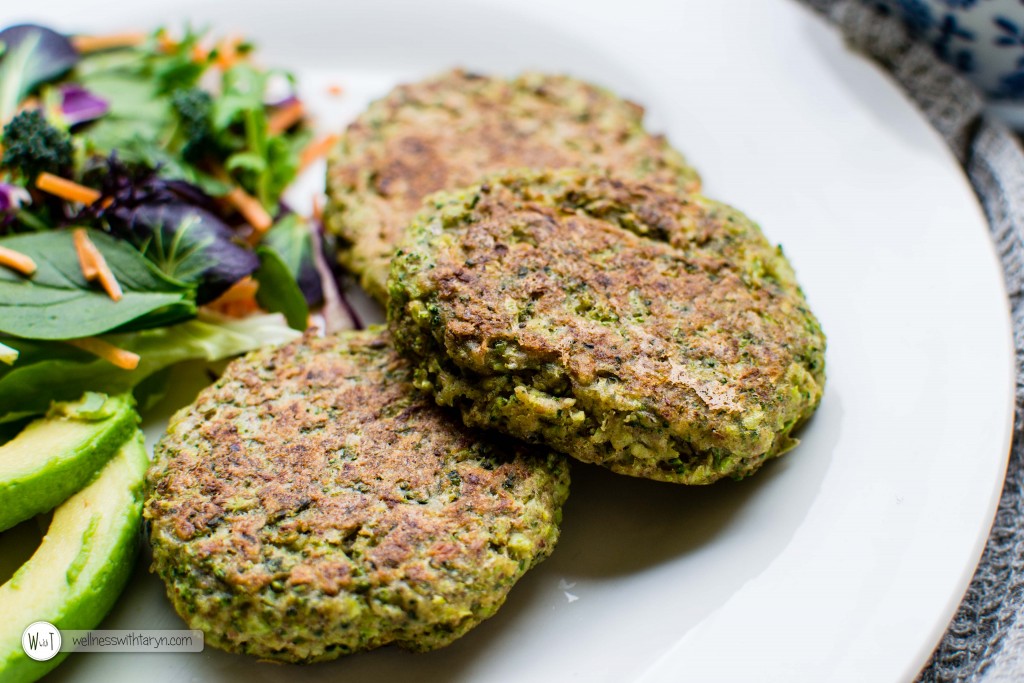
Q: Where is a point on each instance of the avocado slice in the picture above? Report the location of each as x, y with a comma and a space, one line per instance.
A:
58, 454
81, 566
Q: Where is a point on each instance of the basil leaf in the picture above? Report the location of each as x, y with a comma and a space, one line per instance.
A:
58, 303
278, 292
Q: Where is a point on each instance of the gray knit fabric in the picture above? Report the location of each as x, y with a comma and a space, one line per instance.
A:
985, 640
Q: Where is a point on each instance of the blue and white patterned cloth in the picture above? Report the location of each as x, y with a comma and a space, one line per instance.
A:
982, 39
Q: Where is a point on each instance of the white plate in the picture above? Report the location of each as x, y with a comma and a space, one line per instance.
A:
844, 560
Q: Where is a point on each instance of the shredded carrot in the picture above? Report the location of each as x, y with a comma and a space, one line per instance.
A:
94, 266
165, 42
126, 360
87, 44
238, 301
335, 90
251, 209
200, 54
318, 208
66, 189
87, 254
315, 150
227, 53
108, 281
285, 117
247, 205
28, 104
15, 260
243, 290
241, 309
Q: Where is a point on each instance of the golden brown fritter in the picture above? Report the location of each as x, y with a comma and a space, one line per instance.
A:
447, 132
653, 332
311, 503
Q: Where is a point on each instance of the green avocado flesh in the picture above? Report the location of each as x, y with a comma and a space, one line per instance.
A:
82, 565
57, 455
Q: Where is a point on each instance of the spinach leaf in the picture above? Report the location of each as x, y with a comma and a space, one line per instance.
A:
278, 292
137, 83
136, 113
292, 239
58, 303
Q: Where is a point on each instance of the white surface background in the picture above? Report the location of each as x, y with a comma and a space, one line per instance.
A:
844, 560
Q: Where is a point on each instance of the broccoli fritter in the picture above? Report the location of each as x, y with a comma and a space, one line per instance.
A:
312, 503
631, 325
448, 131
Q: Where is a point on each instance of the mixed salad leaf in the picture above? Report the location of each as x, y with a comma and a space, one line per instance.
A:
58, 302
68, 372
32, 55
141, 185
174, 224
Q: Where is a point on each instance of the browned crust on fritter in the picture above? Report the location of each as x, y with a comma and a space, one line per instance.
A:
449, 131
311, 503
654, 332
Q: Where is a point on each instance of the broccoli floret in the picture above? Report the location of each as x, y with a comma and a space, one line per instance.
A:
32, 146
194, 108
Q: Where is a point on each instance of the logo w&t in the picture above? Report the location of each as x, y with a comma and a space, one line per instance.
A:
41, 641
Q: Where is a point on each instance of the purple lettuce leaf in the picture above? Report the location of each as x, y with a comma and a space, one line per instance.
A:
175, 224
32, 55
79, 105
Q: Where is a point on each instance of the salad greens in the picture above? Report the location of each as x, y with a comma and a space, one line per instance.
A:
32, 55
174, 225
161, 116
67, 372
278, 290
58, 302
293, 239
78, 105
32, 146
7, 354
173, 153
